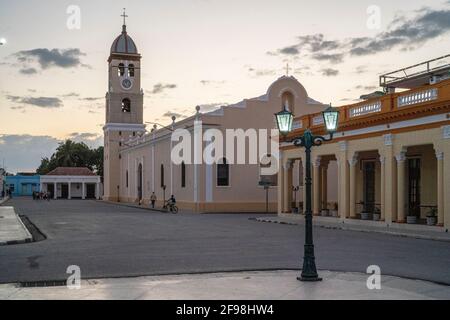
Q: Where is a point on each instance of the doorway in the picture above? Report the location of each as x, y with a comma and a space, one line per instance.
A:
140, 182
90, 191
64, 191
414, 186
369, 186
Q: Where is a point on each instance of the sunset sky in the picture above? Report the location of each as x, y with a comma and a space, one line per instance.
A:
195, 52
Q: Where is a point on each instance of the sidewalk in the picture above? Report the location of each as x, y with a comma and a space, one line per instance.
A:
403, 230
12, 230
273, 285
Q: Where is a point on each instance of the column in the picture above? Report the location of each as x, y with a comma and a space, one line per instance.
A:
383, 186
280, 186
290, 179
97, 191
353, 167
324, 186
55, 191
440, 187
70, 190
316, 186
401, 187
390, 180
344, 180
83, 191
287, 189
338, 163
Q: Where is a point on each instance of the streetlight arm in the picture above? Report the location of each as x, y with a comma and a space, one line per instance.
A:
308, 140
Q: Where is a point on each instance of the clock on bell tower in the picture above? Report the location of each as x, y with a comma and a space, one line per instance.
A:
124, 107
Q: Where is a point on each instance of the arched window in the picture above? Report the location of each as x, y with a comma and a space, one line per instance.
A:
287, 100
121, 70
131, 70
126, 105
162, 175
223, 173
183, 175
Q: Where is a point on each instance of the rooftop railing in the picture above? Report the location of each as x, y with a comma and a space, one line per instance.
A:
389, 103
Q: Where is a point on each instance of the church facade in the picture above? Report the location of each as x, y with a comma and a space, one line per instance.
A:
138, 163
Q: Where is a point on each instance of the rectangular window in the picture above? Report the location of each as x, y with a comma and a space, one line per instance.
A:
183, 175
223, 174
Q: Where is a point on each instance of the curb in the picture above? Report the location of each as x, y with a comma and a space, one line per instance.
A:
347, 228
28, 239
132, 206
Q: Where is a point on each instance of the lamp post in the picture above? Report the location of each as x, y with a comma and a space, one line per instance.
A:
308, 140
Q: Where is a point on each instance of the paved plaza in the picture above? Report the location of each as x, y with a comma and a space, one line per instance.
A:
113, 241
241, 286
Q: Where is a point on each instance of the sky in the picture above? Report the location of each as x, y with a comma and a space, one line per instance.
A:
194, 52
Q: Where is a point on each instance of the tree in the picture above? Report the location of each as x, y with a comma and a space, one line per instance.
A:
73, 154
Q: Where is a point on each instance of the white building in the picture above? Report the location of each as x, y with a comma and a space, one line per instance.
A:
2, 174
72, 183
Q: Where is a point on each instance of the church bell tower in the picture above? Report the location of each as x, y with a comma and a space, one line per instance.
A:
124, 107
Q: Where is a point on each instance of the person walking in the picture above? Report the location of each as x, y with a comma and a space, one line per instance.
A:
153, 200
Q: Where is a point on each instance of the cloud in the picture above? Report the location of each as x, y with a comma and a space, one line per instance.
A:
24, 152
211, 106
211, 82
407, 34
256, 73
41, 102
367, 88
62, 58
404, 33
292, 50
177, 115
160, 87
333, 58
93, 140
328, 72
70, 95
91, 98
28, 71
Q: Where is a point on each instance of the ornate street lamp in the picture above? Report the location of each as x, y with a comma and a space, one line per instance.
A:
308, 140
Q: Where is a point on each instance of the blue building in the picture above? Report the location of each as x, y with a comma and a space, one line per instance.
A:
22, 184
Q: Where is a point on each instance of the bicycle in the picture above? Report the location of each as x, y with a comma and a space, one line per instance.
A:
170, 207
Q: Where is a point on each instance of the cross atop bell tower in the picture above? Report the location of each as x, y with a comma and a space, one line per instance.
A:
124, 15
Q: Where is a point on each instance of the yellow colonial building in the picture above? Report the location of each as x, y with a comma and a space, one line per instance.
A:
392, 152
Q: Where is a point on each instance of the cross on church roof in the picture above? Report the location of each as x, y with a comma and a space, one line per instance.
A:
287, 69
124, 15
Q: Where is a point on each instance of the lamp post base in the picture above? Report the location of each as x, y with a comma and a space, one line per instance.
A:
309, 279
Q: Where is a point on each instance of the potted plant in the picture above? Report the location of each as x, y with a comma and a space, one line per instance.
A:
432, 217
377, 214
324, 212
334, 211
